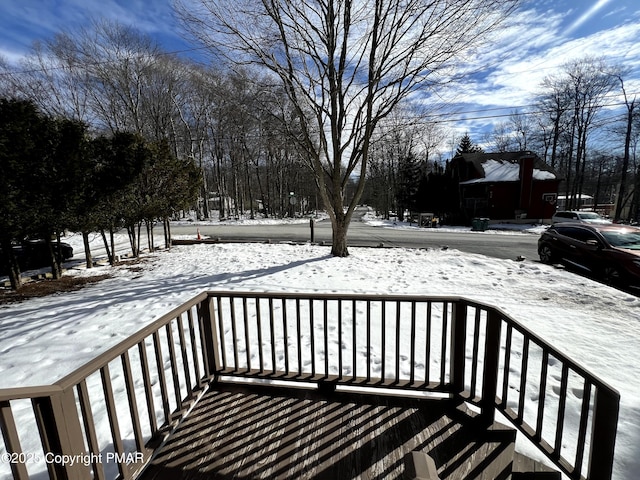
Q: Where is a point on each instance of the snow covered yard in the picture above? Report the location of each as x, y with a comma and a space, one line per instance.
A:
597, 326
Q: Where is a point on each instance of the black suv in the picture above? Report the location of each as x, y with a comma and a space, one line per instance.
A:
32, 254
610, 252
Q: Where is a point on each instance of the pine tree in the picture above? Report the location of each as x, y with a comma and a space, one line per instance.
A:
467, 146
408, 184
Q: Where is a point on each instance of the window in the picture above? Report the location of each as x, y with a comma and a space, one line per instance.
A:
576, 233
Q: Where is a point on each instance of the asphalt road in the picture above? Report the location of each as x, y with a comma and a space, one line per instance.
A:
508, 246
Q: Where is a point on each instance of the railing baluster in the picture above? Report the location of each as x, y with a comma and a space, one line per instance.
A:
398, 308
272, 331
234, 333
523, 377
260, 339
427, 347
505, 371
383, 309
194, 346
285, 336
90, 429
247, 340
11, 440
185, 357
312, 338
443, 343
557, 448
368, 304
174, 366
161, 378
215, 324
148, 389
354, 334
340, 364
133, 404
412, 354
584, 420
542, 393
474, 355
112, 415
326, 339
299, 339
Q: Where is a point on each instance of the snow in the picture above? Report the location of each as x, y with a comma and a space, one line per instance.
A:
597, 326
504, 171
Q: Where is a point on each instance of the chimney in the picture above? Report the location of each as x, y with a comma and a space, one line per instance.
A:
526, 181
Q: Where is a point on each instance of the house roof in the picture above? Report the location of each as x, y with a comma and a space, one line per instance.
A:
504, 167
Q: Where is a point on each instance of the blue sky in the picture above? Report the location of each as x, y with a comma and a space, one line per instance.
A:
548, 34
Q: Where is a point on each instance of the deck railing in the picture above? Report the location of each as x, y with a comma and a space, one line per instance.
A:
107, 417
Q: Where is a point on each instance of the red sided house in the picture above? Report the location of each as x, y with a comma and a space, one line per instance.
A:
505, 186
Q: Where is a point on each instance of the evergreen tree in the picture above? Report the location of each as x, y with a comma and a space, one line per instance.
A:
408, 184
21, 128
467, 146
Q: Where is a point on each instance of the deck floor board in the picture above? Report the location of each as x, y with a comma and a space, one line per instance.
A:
245, 432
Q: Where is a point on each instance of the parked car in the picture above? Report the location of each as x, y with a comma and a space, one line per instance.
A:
32, 254
610, 252
36, 254
578, 216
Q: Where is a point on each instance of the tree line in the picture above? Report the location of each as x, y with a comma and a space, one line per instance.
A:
282, 107
231, 124
55, 177
583, 121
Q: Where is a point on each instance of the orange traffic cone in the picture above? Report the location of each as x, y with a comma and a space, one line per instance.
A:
199, 237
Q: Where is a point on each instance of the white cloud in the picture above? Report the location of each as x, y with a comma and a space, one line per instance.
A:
540, 52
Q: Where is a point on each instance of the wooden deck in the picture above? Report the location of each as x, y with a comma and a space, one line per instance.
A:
242, 432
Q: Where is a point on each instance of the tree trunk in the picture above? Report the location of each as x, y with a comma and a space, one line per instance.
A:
340, 226
167, 233
113, 246
133, 240
625, 162
11, 264
110, 253
54, 258
87, 250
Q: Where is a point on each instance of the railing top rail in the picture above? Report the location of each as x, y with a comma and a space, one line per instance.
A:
20, 393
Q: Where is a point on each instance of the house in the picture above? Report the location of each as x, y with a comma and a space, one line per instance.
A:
505, 186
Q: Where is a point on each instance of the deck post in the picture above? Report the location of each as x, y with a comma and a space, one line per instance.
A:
491, 365
458, 346
59, 425
603, 438
211, 345
12, 440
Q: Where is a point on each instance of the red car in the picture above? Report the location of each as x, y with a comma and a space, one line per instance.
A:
610, 252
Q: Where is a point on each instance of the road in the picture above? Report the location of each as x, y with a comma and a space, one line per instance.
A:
362, 234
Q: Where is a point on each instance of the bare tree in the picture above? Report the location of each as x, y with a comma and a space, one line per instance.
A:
522, 128
52, 77
631, 104
501, 138
345, 66
553, 104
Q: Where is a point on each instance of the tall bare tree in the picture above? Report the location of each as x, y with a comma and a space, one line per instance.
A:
631, 104
345, 66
